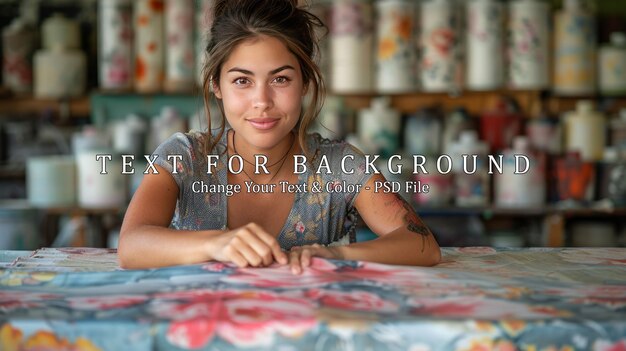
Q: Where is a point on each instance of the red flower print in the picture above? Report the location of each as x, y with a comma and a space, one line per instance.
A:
157, 5
300, 227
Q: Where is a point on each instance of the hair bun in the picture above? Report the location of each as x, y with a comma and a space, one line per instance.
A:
220, 6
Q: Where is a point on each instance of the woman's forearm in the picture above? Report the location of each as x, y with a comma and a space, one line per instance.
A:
400, 247
151, 246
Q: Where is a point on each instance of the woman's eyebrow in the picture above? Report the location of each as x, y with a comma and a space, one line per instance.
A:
274, 71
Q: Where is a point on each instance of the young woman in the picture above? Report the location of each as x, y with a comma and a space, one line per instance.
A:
210, 199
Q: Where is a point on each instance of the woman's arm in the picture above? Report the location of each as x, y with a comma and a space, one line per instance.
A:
146, 241
403, 237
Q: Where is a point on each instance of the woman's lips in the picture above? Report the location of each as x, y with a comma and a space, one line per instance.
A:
263, 123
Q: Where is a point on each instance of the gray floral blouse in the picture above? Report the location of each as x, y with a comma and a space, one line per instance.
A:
326, 217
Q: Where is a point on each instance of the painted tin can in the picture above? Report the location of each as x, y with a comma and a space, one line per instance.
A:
396, 51
574, 50
441, 66
180, 55
19, 41
115, 44
528, 45
485, 39
149, 45
352, 46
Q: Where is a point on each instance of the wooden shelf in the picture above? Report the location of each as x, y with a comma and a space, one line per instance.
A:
489, 212
12, 171
80, 211
477, 102
24, 105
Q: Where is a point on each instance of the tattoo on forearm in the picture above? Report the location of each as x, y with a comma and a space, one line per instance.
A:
411, 219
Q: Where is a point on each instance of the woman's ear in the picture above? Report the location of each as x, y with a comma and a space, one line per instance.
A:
216, 89
305, 89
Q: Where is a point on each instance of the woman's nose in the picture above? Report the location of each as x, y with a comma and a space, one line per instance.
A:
263, 98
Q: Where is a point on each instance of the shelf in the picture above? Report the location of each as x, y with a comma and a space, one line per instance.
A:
24, 105
477, 102
105, 106
80, 211
12, 171
490, 212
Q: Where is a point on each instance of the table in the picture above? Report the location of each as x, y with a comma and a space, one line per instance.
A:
478, 298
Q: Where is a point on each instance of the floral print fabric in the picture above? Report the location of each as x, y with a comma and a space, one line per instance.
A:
322, 217
476, 299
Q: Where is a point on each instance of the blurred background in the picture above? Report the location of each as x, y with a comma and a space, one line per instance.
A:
546, 79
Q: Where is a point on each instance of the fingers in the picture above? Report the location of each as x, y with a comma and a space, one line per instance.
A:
271, 242
251, 242
300, 257
236, 257
294, 261
255, 246
305, 259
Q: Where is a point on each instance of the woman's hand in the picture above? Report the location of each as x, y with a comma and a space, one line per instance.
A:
249, 245
300, 256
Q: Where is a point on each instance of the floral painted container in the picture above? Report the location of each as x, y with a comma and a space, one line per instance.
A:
528, 45
19, 41
60, 68
180, 54
149, 46
396, 50
352, 46
440, 64
485, 59
115, 39
574, 50
612, 66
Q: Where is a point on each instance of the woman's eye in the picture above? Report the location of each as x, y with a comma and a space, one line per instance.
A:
281, 80
241, 81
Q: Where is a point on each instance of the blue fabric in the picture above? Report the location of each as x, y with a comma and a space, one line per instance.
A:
478, 298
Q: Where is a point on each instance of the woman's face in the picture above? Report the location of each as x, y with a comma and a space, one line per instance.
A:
261, 88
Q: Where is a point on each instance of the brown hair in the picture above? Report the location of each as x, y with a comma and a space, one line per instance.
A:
235, 21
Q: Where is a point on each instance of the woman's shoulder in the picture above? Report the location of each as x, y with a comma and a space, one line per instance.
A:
183, 139
332, 147
187, 147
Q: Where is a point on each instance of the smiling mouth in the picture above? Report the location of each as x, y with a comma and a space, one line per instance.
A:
263, 123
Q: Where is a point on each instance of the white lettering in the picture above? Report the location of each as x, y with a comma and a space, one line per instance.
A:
420, 164
324, 164
151, 164
211, 161
526, 161
447, 158
299, 161
370, 164
343, 164
258, 165
494, 163
174, 159
102, 158
398, 169
126, 164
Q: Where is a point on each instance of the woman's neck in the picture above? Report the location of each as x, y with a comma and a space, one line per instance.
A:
275, 155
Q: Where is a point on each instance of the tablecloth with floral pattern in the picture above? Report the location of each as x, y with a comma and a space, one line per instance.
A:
478, 298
